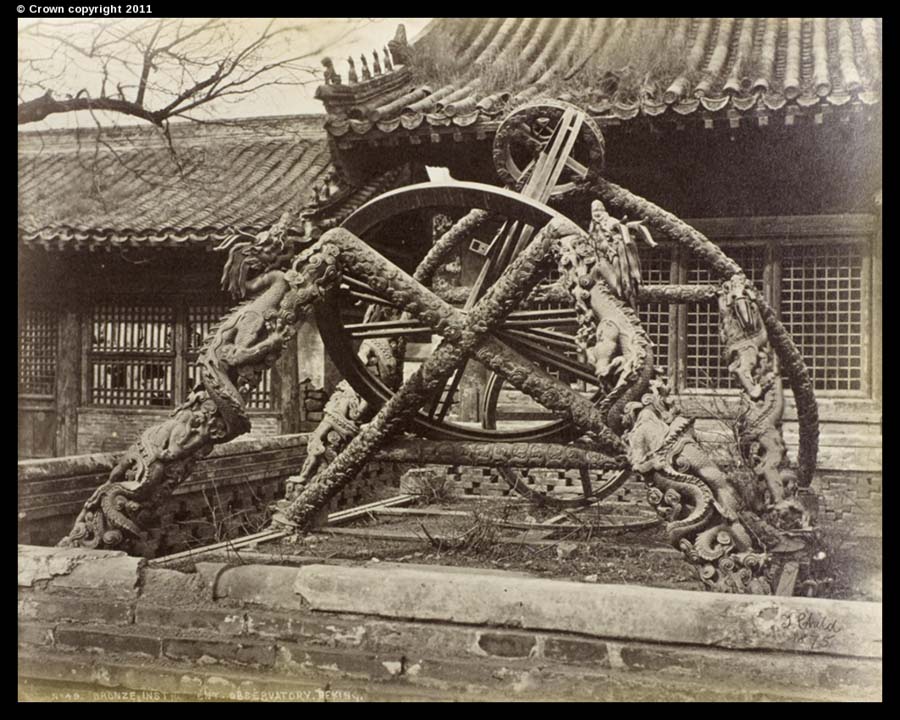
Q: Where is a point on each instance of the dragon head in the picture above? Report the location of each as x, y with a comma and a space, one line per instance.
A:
739, 297
249, 253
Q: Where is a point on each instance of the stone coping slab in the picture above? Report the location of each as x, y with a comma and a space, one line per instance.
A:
42, 468
805, 625
110, 573
473, 597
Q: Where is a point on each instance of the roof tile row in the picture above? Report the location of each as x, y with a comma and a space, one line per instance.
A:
625, 67
80, 194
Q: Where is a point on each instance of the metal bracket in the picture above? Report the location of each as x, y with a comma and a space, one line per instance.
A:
480, 248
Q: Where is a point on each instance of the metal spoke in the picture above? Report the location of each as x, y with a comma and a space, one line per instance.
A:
573, 164
444, 401
502, 249
548, 337
360, 285
586, 487
532, 319
560, 362
367, 298
387, 328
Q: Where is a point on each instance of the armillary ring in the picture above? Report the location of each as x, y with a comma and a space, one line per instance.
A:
531, 130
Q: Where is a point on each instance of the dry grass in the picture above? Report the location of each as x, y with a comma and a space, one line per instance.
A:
479, 538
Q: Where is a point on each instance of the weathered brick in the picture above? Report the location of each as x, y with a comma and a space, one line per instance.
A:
36, 633
242, 652
644, 658
242, 622
503, 644
78, 609
576, 651
173, 588
132, 642
427, 639
372, 666
203, 618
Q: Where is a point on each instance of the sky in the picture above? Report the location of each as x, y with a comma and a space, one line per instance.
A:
319, 37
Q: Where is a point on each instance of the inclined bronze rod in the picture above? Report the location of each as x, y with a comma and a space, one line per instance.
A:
561, 362
544, 322
537, 314
371, 299
448, 400
516, 281
557, 340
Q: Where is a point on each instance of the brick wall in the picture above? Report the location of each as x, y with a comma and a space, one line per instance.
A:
102, 622
226, 496
849, 502
312, 402
230, 489
105, 430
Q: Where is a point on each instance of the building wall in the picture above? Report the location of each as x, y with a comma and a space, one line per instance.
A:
227, 495
62, 295
104, 430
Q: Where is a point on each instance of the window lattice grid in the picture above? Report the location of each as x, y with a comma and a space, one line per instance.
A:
132, 382
200, 320
705, 368
133, 329
822, 309
37, 352
656, 269
260, 398
132, 357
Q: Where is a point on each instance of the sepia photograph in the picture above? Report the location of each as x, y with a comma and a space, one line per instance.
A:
448, 359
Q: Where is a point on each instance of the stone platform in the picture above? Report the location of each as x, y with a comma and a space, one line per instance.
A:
93, 622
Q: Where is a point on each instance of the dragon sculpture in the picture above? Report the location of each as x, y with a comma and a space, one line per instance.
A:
707, 514
758, 428
345, 412
732, 534
235, 352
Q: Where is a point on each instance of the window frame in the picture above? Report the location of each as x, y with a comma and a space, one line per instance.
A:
181, 355
54, 311
775, 233
90, 355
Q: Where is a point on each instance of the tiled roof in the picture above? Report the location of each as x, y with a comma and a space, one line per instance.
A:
467, 71
128, 189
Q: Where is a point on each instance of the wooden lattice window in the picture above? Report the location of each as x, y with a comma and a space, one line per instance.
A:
656, 269
38, 347
705, 367
823, 307
132, 355
200, 320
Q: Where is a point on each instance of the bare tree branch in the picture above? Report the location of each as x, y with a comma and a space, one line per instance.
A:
39, 108
172, 67
147, 65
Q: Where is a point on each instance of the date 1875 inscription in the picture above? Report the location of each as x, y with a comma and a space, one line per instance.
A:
806, 628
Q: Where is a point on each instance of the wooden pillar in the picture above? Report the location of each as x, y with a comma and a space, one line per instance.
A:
288, 388
68, 381
179, 339
310, 354
678, 344
877, 294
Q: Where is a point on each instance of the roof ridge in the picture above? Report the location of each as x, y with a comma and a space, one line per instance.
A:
624, 68
306, 126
